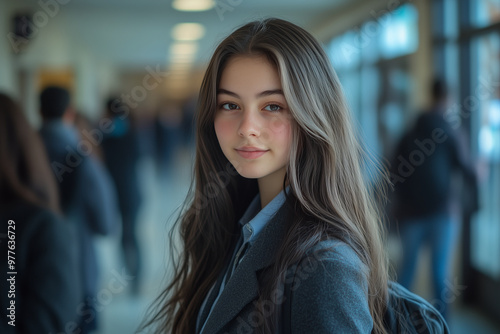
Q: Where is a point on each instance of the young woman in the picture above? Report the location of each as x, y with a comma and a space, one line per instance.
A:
281, 233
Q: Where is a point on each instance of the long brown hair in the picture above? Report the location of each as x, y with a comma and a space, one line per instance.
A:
328, 189
25, 174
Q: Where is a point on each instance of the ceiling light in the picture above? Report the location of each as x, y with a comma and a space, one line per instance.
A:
188, 58
193, 5
183, 49
188, 31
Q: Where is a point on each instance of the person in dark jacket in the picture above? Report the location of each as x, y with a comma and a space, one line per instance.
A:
427, 157
43, 292
121, 154
88, 199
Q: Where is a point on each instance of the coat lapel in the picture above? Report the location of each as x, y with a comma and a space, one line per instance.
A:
211, 298
243, 287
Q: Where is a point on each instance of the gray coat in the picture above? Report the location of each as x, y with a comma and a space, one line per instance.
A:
88, 199
325, 293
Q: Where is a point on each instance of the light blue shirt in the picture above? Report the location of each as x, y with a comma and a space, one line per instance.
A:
254, 219
252, 223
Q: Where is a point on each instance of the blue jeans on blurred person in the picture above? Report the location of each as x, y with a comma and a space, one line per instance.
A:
438, 231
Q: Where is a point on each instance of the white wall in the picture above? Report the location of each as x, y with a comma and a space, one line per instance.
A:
53, 46
95, 79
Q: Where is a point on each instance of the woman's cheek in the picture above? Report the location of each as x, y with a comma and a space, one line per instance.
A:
223, 128
279, 126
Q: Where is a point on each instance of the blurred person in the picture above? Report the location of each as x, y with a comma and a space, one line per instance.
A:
85, 127
47, 286
188, 114
169, 136
146, 132
88, 199
423, 169
121, 153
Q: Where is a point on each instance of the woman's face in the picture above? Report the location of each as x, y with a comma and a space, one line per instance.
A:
252, 121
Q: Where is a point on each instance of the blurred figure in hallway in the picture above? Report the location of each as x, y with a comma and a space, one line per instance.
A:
425, 161
121, 154
47, 284
169, 136
87, 197
188, 119
85, 128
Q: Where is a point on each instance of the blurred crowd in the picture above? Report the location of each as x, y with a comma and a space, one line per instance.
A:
65, 184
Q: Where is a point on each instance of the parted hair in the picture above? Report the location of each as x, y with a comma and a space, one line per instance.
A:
329, 192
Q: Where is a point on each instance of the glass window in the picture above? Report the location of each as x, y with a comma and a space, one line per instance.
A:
484, 12
369, 42
450, 15
344, 51
483, 106
350, 84
370, 80
399, 32
445, 18
360, 58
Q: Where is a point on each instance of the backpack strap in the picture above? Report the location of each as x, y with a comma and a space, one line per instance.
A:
409, 313
406, 312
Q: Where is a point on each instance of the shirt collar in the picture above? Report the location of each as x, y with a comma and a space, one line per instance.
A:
251, 227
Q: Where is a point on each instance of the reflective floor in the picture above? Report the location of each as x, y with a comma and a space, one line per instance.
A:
162, 196
121, 313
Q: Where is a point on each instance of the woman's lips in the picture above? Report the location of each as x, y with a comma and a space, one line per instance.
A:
251, 154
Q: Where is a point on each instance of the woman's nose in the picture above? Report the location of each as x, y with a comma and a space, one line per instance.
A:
250, 125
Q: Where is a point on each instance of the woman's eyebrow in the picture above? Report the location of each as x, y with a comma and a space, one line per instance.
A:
227, 92
261, 94
271, 92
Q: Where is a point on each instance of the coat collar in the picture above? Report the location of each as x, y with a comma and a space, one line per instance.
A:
243, 287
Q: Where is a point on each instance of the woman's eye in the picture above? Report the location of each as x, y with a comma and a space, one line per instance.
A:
273, 107
229, 106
